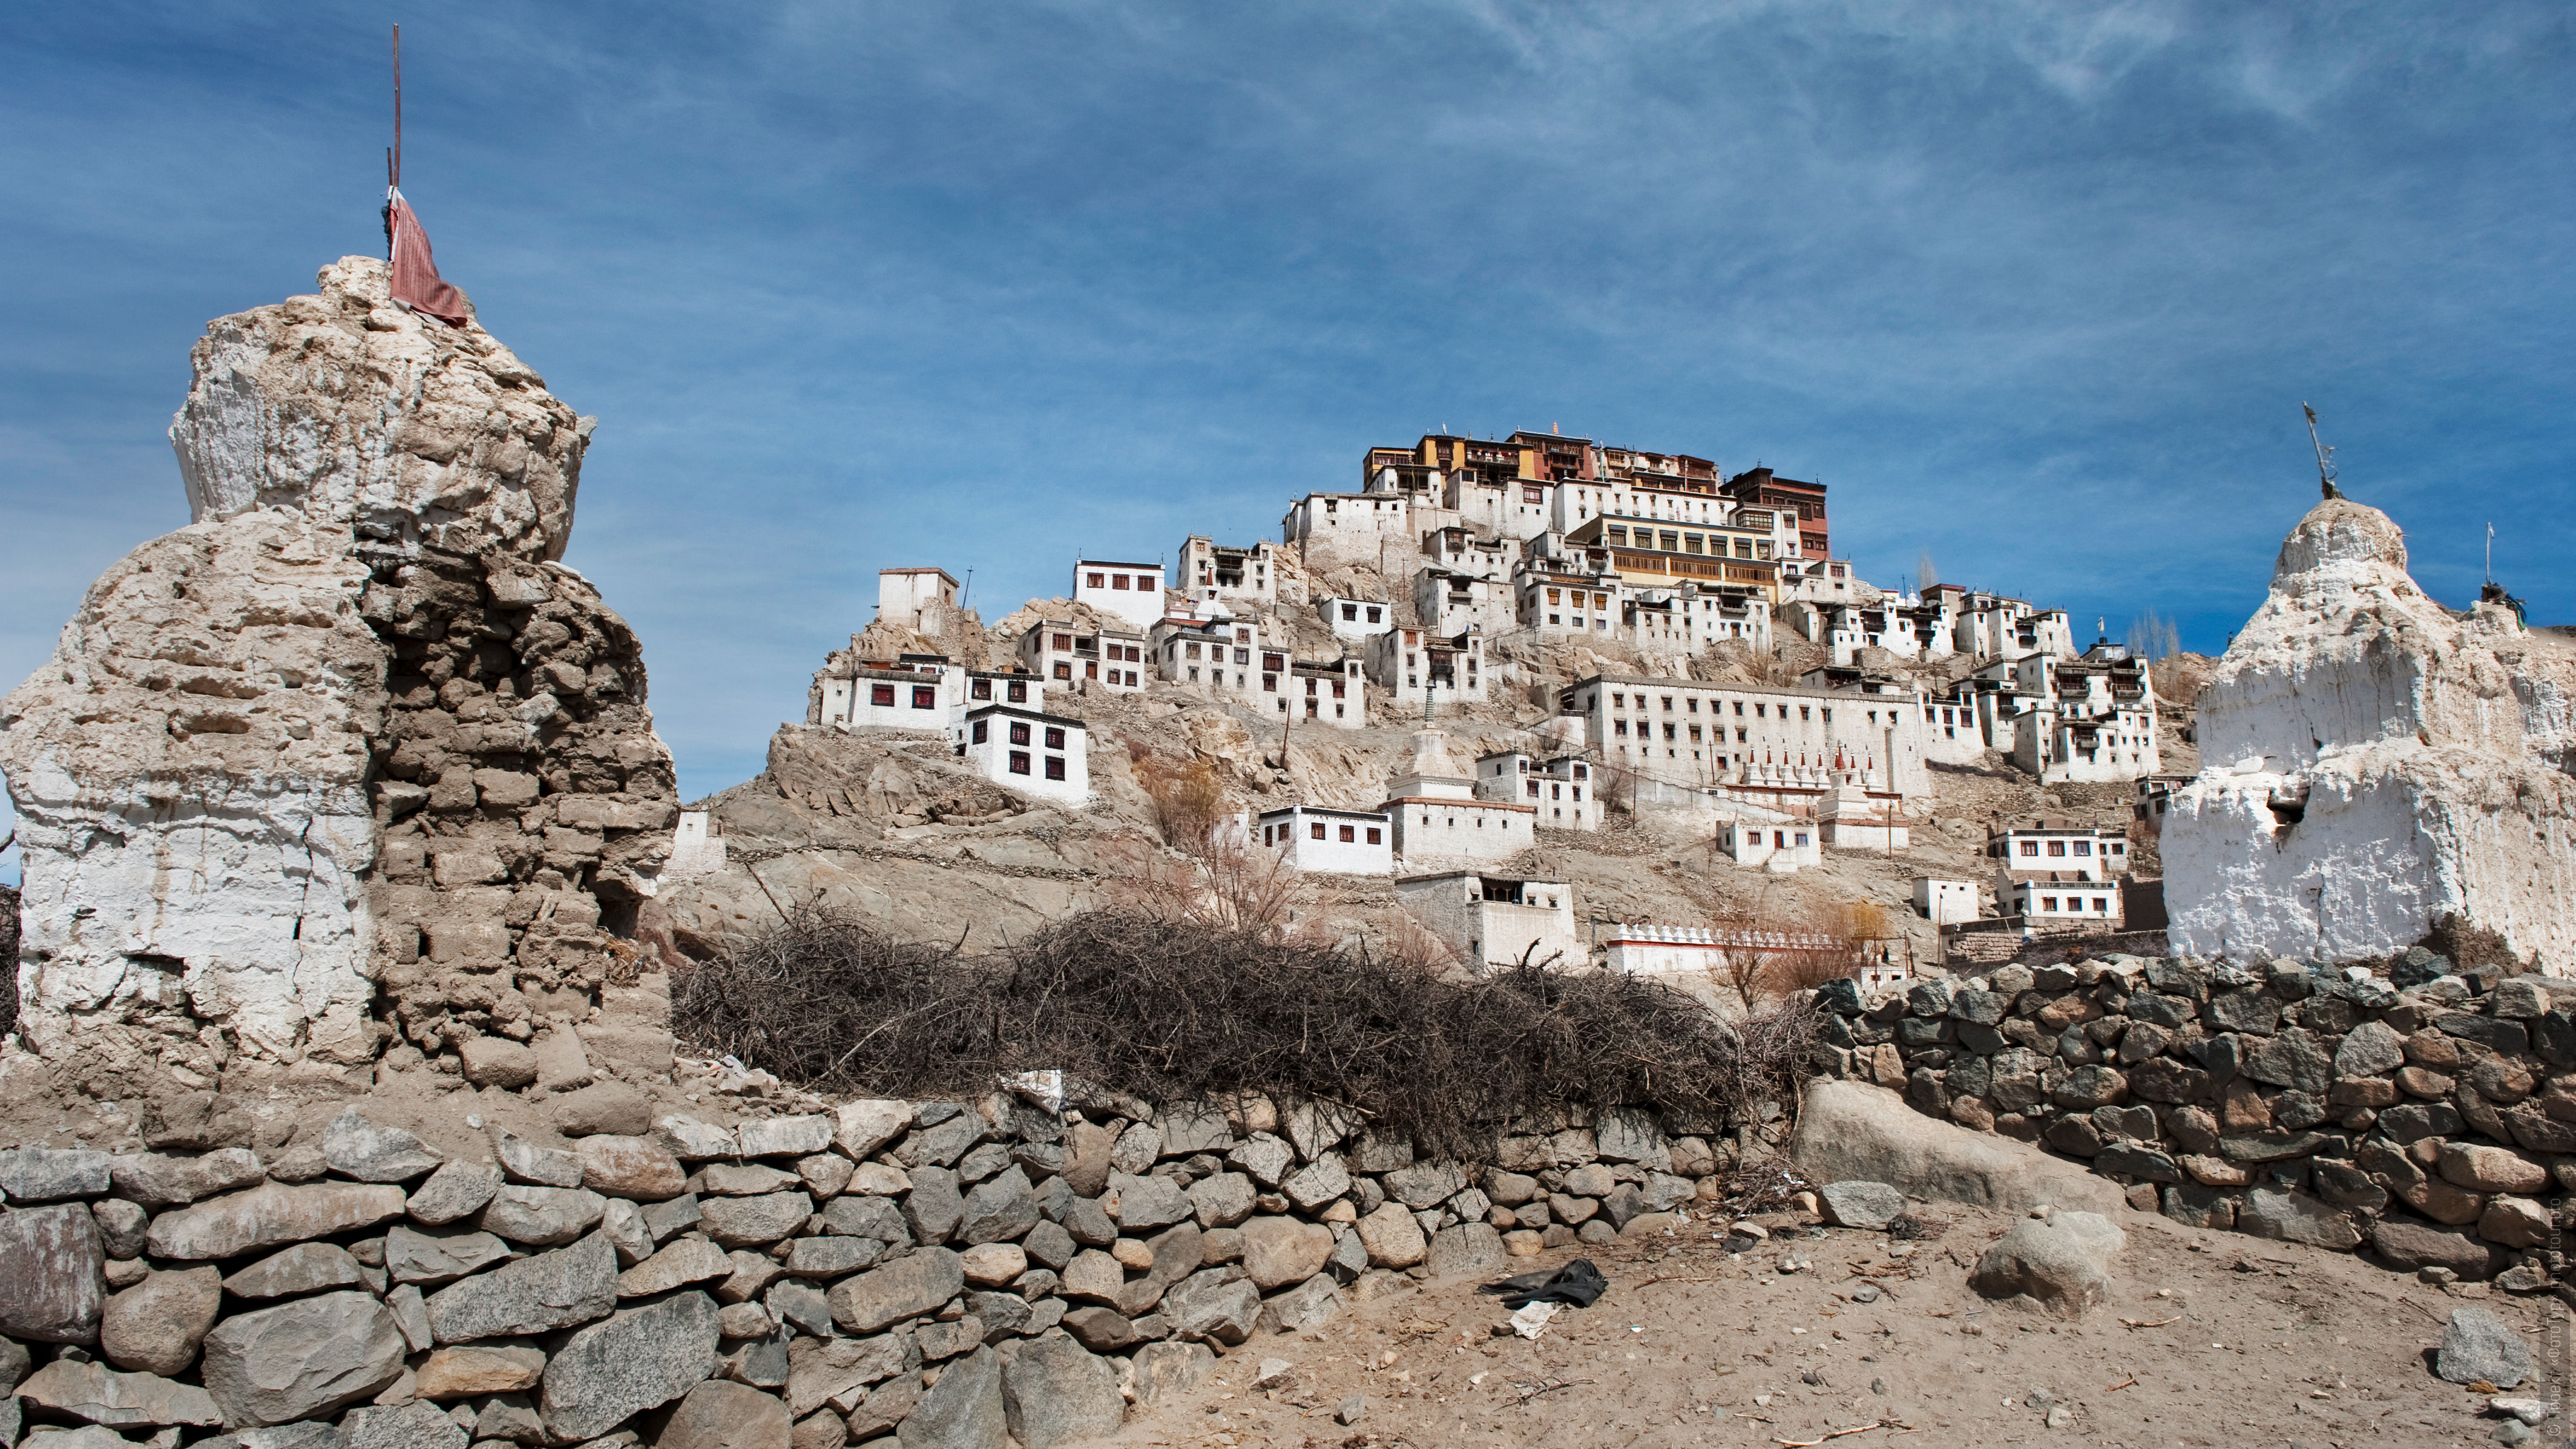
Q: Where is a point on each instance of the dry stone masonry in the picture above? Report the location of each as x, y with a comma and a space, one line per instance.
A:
940, 1272
2433, 1120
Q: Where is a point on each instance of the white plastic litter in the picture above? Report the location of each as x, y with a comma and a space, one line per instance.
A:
1531, 1321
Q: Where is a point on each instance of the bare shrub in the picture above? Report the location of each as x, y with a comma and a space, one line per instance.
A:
1171, 1009
1230, 884
1189, 802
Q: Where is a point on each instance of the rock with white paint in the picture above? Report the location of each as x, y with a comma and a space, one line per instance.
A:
2373, 762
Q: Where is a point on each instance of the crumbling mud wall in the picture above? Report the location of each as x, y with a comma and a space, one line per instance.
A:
524, 809
2374, 762
2435, 1124
352, 757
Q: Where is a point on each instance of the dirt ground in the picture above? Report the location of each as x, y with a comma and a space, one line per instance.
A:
2237, 1342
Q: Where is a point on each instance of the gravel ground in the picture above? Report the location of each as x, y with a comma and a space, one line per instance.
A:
2207, 1339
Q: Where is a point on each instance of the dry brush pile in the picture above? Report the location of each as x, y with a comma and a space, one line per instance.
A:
1172, 1011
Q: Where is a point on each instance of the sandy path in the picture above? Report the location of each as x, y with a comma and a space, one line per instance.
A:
2268, 1344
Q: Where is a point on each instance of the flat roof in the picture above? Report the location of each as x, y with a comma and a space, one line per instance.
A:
1454, 804
1709, 686
1322, 810
1004, 709
1110, 563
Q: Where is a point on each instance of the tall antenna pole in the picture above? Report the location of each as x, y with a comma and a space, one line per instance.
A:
393, 158
2325, 455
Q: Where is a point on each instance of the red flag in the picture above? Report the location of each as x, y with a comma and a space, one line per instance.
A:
417, 284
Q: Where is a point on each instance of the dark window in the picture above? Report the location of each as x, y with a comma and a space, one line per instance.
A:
1091, 581
1315, 831
1063, 669
980, 689
1349, 833
981, 730
1054, 738
1019, 732
1019, 762
1373, 837
881, 694
1018, 693
1055, 767
925, 696
1119, 582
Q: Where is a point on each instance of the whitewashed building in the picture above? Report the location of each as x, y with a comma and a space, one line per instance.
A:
697, 847
1335, 842
920, 599
1216, 654
1407, 662
1783, 847
2047, 844
1356, 620
1129, 591
1437, 817
1333, 693
1449, 602
1083, 660
1764, 744
1044, 755
1947, 902
1560, 789
1493, 921
2053, 898
916, 692
1211, 570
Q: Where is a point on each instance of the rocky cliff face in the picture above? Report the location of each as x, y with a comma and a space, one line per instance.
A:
352, 731
2374, 761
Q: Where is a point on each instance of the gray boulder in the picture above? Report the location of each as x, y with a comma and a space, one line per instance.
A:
416, 1425
2408, 1246
359, 1148
296, 1271
720, 1415
1220, 1200
1148, 1204
963, 1410
551, 1290
52, 1174
837, 1371
457, 1190
905, 1288
271, 1215
2478, 1345
1164, 1370
2296, 1218
434, 1258
1868, 1206
303, 1359
543, 1217
635, 1359
999, 1211
1848, 1131
1056, 1391
2064, 1262
1467, 1248
50, 1265
157, 1180
101, 1395
156, 1325
525, 1161
1207, 1305
676, 1265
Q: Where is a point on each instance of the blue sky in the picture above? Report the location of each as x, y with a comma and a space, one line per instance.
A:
2036, 288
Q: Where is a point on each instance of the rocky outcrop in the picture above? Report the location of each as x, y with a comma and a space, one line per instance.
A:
351, 756
2373, 763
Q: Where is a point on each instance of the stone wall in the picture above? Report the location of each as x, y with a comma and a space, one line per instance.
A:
2287, 1100
949, 1268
